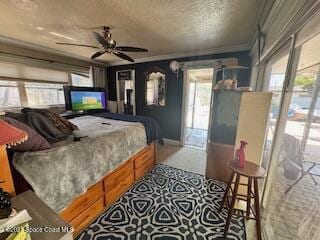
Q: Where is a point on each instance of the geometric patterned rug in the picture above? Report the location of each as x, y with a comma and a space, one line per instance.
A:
168, 203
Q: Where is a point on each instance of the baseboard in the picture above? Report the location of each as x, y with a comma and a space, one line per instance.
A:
172, 142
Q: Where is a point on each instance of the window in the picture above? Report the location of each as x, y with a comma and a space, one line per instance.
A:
36, 94
44, 94
9, 94
81, 80
293, 177
274, 80
32, 85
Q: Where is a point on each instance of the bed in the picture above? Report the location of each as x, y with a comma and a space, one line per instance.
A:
78, 179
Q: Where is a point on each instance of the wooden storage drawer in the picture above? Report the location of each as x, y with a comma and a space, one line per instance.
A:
113, 194
144, 157
82, 202
142, 170
83, 219
118, 176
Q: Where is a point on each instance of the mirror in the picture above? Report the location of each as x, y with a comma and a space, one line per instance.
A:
155, 87
126, 92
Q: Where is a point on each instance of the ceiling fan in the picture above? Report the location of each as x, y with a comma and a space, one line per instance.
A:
108, 45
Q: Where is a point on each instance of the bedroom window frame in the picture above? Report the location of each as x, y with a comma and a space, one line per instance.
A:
21, 71
23, 92
15, 85
56, 87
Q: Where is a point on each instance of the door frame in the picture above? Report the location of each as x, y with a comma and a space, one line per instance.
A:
185, 100
134, 90
282, 118
214, 81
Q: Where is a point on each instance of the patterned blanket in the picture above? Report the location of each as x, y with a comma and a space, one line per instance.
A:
69, 168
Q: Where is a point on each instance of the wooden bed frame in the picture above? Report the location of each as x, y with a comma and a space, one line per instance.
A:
85, 208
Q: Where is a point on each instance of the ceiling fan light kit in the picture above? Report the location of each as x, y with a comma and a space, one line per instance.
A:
108, 45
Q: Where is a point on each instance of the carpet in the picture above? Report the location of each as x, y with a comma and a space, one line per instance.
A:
168, 203
188, 159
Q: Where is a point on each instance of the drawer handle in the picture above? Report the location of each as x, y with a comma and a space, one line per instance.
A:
84, 202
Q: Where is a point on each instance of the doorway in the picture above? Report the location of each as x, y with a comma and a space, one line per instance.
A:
125, 81
197, 107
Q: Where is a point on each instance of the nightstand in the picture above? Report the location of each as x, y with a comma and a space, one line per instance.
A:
43, 217
6, 181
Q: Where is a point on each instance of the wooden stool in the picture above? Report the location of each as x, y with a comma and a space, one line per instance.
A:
253, 172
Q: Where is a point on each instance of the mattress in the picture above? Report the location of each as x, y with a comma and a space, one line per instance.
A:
69, 168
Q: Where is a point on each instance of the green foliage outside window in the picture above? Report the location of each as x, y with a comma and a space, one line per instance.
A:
305, 81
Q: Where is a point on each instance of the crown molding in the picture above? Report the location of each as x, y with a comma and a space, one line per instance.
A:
236, 48
18, 43
23, 44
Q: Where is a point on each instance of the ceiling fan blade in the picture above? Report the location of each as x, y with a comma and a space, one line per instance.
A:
98, 54
123, 56
79, 45
100, 39
131, 49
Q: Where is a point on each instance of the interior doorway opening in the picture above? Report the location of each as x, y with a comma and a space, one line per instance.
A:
198, 100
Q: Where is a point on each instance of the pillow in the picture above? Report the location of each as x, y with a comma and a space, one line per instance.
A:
35, 142
61, 123
16, 115
44, 126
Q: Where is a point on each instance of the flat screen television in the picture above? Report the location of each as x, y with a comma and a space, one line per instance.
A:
85, 98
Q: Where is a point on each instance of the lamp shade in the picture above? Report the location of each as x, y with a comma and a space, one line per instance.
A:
10, 135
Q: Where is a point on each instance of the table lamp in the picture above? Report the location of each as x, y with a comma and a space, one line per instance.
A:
9, 136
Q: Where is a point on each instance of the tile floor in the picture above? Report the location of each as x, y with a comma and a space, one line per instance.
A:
195, 137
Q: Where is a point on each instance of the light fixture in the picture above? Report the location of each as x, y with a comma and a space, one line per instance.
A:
174, 66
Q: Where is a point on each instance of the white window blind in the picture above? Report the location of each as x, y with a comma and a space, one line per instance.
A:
44, 94
9, 94
26, 72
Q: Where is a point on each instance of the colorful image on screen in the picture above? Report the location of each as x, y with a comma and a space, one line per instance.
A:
83, 100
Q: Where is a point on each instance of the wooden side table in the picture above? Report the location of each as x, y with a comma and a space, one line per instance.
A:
42, 217
253, 172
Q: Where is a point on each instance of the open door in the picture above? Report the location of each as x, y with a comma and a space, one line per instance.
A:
197, 107
126, 91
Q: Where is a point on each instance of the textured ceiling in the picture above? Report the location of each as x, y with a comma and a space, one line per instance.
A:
162, 26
